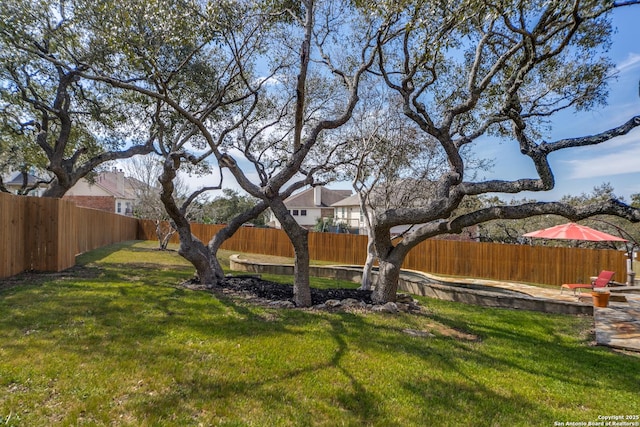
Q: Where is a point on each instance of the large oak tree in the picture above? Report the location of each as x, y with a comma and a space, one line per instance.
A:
271, 130
472, 72
54, 122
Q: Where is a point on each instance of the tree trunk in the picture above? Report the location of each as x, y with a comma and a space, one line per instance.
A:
299, 238
164, 231
367, 270
226, 232
55, 191
387, 284
301, 288
207, 266
198, 254
372, 254
191, 248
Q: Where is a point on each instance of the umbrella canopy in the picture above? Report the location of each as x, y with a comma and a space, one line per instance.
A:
573, 231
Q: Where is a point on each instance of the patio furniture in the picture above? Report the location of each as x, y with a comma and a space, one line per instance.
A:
601, 281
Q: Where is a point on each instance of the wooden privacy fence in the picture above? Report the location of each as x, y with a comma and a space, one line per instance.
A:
518, 263
45, 234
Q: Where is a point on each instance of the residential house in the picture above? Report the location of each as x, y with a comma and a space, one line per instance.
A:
347, 212
15, 183
402, 192
309, 205
111, 191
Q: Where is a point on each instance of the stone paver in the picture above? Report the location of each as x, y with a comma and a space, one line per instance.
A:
618, 325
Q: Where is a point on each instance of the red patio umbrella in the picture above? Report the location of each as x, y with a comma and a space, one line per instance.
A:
573, 231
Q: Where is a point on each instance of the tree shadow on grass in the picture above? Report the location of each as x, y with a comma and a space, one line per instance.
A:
552, 355
575, 374
535, 348
353, 393
356, 399
535, 357
468, 403
270, 391
139, 323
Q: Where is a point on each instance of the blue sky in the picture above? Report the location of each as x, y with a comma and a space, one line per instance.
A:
617, 161
577, 170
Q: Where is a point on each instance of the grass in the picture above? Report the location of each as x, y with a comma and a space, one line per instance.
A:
115, 341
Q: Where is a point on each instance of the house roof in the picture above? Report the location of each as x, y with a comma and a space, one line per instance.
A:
16, 181
353, 200
107, 183
306, 199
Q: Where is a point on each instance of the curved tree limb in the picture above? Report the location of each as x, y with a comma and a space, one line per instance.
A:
539, 155
526, 210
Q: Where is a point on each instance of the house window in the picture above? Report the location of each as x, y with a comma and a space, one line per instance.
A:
303, 212
343, 213
295, 212
119, 210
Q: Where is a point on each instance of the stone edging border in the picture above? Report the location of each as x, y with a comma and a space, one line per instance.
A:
418, 283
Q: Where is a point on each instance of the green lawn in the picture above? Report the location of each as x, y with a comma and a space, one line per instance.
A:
115, 341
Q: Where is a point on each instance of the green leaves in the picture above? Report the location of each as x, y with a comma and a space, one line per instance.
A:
224, 208
59, 121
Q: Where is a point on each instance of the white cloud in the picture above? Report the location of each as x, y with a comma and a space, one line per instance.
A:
617, 163
613, 164
632, 61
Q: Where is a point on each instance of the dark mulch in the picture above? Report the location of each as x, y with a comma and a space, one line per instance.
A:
278, 292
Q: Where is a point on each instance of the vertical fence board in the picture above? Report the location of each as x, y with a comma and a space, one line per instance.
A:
12, 242
67, 243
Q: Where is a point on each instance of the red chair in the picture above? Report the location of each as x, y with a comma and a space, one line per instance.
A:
601, 281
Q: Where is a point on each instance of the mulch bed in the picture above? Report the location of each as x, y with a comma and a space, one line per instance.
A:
273, 291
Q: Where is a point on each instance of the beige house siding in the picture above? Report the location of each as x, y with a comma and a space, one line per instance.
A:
311, 204
111, 185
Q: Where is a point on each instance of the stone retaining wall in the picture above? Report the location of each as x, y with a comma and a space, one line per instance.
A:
413, 283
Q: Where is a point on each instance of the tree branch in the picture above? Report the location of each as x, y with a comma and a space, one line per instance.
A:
593, 139
538, 154
526, 210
